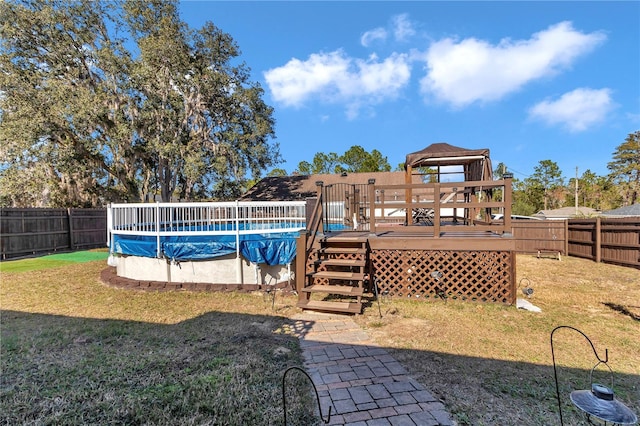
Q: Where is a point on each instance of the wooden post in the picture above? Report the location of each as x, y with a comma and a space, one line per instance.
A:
320, 199
436, 210
513, 289
354, 207
70, 221
598, 240
566, 237
372, 206
301, 261
408, 195
507, 200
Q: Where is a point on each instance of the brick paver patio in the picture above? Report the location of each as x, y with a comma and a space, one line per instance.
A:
363, 383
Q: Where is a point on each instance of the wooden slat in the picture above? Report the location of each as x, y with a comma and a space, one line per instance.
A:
344, 290
346, 238
405, 242
353, 276
316, 305
342, 262
345, 250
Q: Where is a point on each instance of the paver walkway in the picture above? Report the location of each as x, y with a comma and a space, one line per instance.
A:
363, 383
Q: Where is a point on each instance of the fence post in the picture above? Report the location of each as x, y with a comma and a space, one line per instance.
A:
109, 228
598, 240
566, 237
70, 221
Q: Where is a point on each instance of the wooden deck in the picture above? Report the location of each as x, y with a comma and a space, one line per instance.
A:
423, 238
465, 265
449, 252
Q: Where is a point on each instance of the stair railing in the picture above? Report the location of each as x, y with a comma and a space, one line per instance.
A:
307, 239
315, 221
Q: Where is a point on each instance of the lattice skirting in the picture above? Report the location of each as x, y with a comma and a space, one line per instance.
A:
466, 275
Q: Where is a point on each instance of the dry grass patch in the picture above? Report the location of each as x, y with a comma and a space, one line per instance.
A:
491, 364
75, 351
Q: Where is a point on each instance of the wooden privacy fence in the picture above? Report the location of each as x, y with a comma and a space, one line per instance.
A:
606, 240
540, 235
25, 232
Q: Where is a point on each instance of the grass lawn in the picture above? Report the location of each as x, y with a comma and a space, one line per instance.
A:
74, 351
492, 365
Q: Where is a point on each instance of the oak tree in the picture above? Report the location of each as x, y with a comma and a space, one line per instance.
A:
122, 101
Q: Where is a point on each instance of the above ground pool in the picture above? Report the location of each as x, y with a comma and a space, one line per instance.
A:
193, 242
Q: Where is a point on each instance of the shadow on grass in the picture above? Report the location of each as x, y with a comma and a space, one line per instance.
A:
623, 310
481, 391
218, 368
226, 368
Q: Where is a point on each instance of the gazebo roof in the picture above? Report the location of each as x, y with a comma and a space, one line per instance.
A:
476, 162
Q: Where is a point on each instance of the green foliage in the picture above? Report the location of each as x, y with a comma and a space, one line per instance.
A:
357, 160
277, 172
597, 192
544, 189
522, 207
499, 171
625, 168
176, 115
548, 177
354, 160
322, 163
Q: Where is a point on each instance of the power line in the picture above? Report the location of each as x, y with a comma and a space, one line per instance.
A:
515, 171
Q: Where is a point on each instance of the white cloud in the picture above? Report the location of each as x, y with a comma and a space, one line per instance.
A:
576, 110
372, 35
472, 70
297, 80
335, 77
402, 27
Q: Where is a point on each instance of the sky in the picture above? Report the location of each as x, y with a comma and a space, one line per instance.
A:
530, 81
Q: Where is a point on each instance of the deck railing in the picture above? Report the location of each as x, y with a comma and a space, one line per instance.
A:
447, 206
211, 218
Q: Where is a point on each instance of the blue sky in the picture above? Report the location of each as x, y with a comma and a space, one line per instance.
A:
531, 81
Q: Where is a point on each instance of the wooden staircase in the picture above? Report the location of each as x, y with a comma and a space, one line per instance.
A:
336, 281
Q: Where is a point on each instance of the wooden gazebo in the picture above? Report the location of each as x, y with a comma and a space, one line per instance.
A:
475, 164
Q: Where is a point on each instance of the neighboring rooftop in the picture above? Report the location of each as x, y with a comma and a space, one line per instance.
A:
626, 211
291, 188
567, 213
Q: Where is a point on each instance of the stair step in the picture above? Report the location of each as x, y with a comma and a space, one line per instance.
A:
343, 250
344, 290
321, 305
342, 262
353, 276
347, 239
